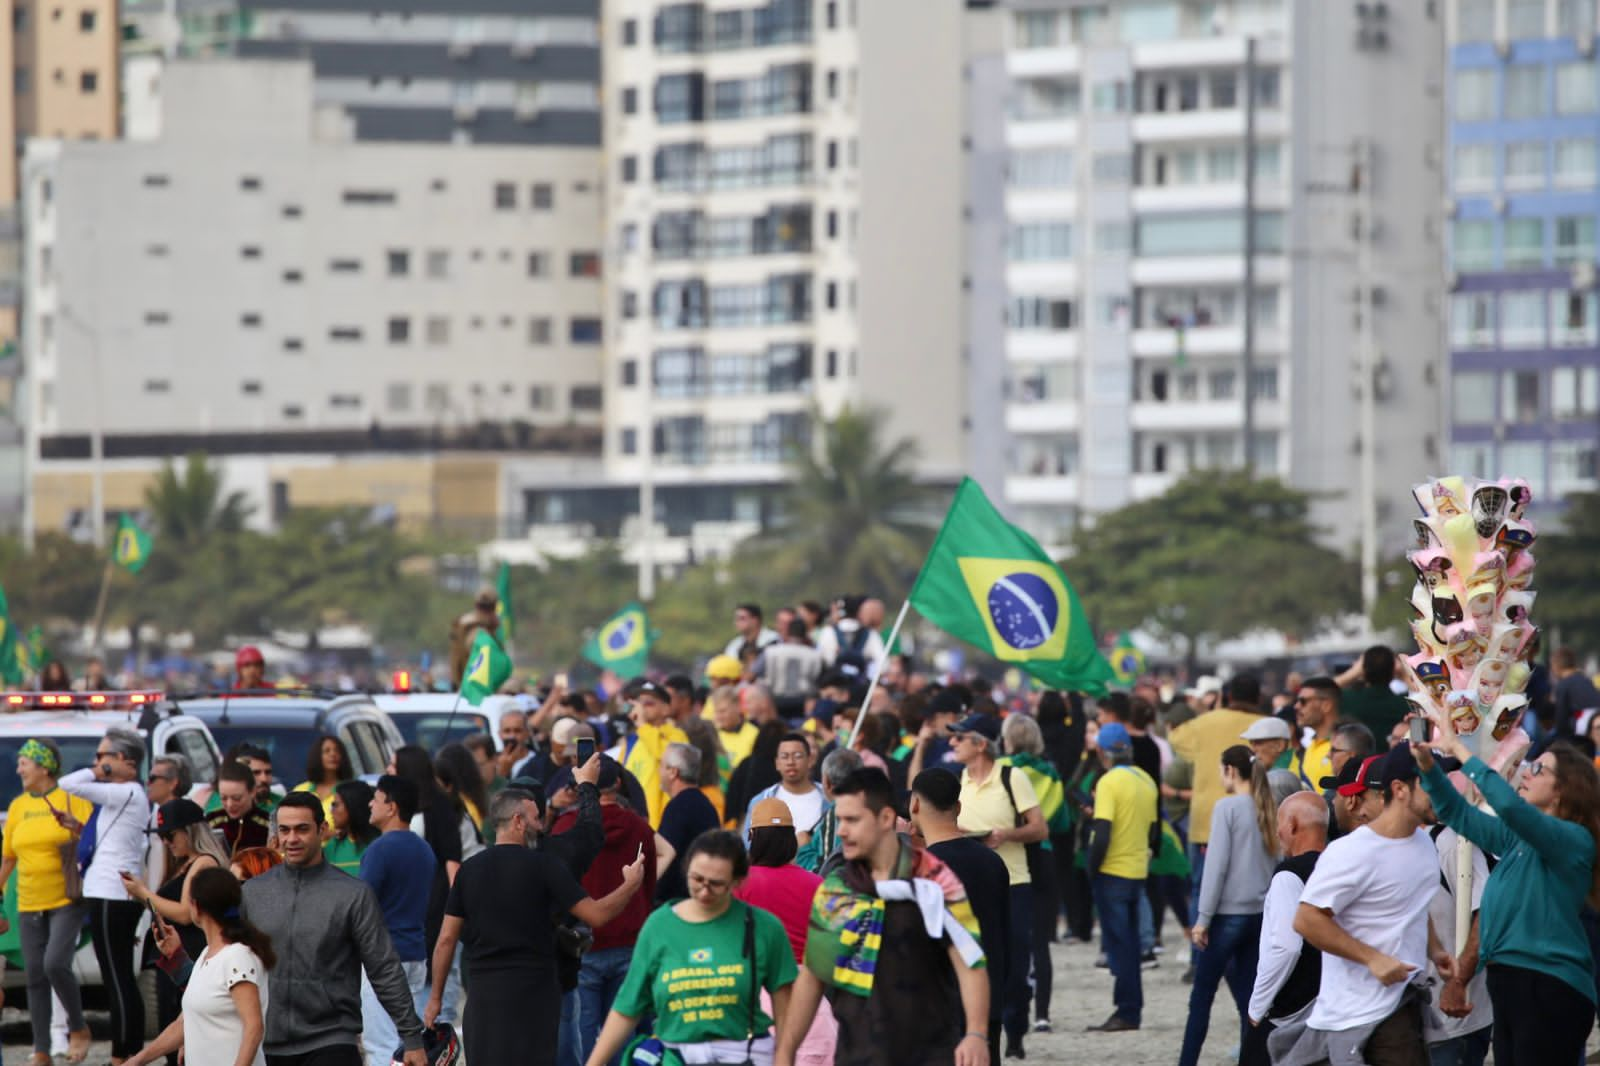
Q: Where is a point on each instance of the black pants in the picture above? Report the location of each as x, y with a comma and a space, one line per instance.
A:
1253, 1052
1019, 956
1072, 882
1537, 1018
337, 1055
1046, 904
1167, 891
114, 929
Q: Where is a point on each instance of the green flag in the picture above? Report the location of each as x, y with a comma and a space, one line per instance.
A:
502, 608
31, 653
990, 584
132, 549
488, 667
622, 643
1127, 661
10, 668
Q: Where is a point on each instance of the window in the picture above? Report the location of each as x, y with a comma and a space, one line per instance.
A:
1573, 467
585, 397
1046, 98
1212, 233
1113, 237
630, 169
1040, 313
291, 211
1264, 383
1036, 241
1113, 167
438, 263
1574, 239
1575, 88
1524, 92
630, 32
1519, 396
540, 331
1524, 19
157, 318
1575, 19
1110, 97
543, 196
1575, 392
1472, 397
398, 397
1222, 383
1522, 319
584, 265
400, 330
86, 20
1037, 29
344, 333
250, 320
1472, 245
438, 330
1525, 165
1474, 20
399, 262
538, 265
1575, 162
1042, 168
1524, 242
1573, 320
88, 81
293, 344
1474, 168
291, 277
505, 196
1474, 92
541, 397
250, 388
158, 385
156, 181
680, 98
249, 184
1472, 320
344, 266
369, 197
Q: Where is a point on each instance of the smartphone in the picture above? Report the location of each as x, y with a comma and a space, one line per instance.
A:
584, 748
1419, 730
561, 681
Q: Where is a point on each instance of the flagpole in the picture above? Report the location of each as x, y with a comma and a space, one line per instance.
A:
866, 704
100, 605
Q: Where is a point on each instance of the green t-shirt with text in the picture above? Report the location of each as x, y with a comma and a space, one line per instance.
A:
695, 976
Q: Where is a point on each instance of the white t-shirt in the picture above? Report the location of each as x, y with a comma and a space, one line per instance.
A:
1378, 889
212, 1028
806, 810
119, 832
1437, 1025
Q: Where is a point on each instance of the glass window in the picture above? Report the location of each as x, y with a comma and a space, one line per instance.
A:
1035, 241
1525, 19
1045, 98
1524, 459
1474, 95
1040, 312
1221, 233
1575, 161
1522, 319
1519, 396
1575, 88
1268, 162
1575, 18
1470, 459
1222, 384
1148, 21
1472, 320
1222, 163
1525, 165
1524, 92
1224, 90
1524, 242
1473, 397
1038, 29
1572, 318
1573, 467
1042, 168
1474, 168
1574, 239
1474, 20
1110, 97
1574, 392
1112, 236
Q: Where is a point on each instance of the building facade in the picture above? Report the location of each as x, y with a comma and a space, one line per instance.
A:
1147, 146
257, 285
1525, 197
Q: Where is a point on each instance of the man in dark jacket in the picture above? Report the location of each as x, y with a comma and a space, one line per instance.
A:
326, 927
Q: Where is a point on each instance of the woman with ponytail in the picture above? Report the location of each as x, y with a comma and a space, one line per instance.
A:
225, 1002
1233, 890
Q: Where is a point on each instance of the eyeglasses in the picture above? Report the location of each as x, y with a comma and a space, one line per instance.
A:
1340, 751
714, 887
163, 777
791, 756
1534, 769
108, 755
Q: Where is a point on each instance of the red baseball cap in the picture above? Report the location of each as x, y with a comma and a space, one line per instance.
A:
1365, 777
249, 654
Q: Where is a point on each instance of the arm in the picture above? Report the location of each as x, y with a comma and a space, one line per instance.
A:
170, 1040
1555, 839
1490, 834
383, 969
780, 1008
973, 1050
1099, 844
665, 853
1217, 856
597, 912
86, 785
247, 1002
616, 1033
1031, 831
919, 754
1280, 944
1323, 933
805, 995
1453, 1001
444, 951
587, 837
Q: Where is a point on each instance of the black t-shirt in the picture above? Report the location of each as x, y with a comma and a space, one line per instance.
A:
510, 897
686, 816
1147, 756
988, 885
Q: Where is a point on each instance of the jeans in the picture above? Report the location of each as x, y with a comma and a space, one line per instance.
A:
1235, 942
1468, 1049
450, 1003
379, 1037
49, 939
1147, 926
1116, 899
1019, 954
1197, 869
569, 1031
599, 980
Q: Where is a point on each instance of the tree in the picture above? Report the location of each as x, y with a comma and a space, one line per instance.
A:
189, 506
1216, 556
1567, 576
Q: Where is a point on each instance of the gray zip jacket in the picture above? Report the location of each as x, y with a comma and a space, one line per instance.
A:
325, 927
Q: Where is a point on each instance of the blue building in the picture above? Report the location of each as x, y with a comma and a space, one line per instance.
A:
1524, 101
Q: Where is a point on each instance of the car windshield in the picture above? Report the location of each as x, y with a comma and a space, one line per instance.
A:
76, 753
288, 747
428, 730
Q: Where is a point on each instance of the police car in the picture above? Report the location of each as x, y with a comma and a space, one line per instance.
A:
434, 719
287, 722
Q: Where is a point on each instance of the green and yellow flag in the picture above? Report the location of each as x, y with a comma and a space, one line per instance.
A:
990, 584
32, 653
622, 643
132, 548
488, 667
1127, 661
10, 668
502, 607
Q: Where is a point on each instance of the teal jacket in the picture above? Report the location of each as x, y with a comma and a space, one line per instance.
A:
1529, 916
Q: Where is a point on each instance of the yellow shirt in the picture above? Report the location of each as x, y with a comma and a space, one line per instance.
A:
986, 806
644, 762
327, 801
739, 743
1317, 762
33, 838
1126, 797
1202, 740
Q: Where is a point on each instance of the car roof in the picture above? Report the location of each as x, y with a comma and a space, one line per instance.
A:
423, 703
290, 712
55, 724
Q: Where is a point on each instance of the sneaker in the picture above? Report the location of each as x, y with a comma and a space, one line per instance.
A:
1188, 975
1148, 961
1159, 950
1114, 1024
1014, 1050
1042, 1026
1102, 963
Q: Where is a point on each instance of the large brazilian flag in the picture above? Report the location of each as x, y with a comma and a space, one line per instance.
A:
622, 643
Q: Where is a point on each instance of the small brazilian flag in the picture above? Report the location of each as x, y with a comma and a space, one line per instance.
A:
10, 668
502, 607
488, 667
132, 549
622, 643
990, 584
1127, 662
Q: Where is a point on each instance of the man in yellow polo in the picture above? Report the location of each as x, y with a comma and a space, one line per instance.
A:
1122, 837
653, 730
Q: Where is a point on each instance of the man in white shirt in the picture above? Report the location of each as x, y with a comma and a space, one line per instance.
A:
1288, 971
747, 624
1365, 907
795, 788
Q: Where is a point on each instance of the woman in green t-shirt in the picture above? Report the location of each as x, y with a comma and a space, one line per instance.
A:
693, 964
352, 828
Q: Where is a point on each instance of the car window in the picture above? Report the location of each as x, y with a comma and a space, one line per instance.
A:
288, 747
191, 744
366, 746
76, 754
429, 730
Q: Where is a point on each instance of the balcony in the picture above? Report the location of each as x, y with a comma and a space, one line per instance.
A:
1037, 62
1207, 270
1216, 125
1042, 417
1203, 416
1203, 341
1041, 346
1022, 489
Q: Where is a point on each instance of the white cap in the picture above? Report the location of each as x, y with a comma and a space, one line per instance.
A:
1267, 728
1206, 685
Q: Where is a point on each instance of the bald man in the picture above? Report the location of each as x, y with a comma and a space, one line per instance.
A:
1290, 970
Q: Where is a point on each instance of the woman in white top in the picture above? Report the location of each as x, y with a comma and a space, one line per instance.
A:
225, 1002
120, 842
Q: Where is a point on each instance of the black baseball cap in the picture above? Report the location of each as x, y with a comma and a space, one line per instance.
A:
178, 814
985, 725
949, 700
1398, 764
643, 686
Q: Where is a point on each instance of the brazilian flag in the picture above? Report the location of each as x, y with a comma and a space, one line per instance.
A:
488, 667
502, 607
10, 668
622, 643
990, 584
132, 549
1126, 660
31, 653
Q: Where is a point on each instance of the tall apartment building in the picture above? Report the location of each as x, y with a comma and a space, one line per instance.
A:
783, 228
407, 326
1135, 136
1525, 196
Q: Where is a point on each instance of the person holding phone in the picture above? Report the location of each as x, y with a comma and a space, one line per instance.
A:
116, 839
40, 823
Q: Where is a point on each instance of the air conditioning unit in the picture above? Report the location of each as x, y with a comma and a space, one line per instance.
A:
524, 49
466, 111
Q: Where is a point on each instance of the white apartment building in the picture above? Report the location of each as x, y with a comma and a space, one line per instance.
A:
256, 285
783, 223
1123, 202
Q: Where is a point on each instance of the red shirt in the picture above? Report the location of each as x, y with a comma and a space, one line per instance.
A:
787, 892
625, 833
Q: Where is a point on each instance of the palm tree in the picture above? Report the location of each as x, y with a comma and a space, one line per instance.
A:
189, 507
853, 513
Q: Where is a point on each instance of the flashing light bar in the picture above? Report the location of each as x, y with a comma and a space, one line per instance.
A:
400, 681
83, 701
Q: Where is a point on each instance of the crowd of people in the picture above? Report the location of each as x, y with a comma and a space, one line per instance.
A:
816, 853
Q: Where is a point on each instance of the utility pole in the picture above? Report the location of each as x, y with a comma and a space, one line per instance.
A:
1368, 377
1247, 359
647, 487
